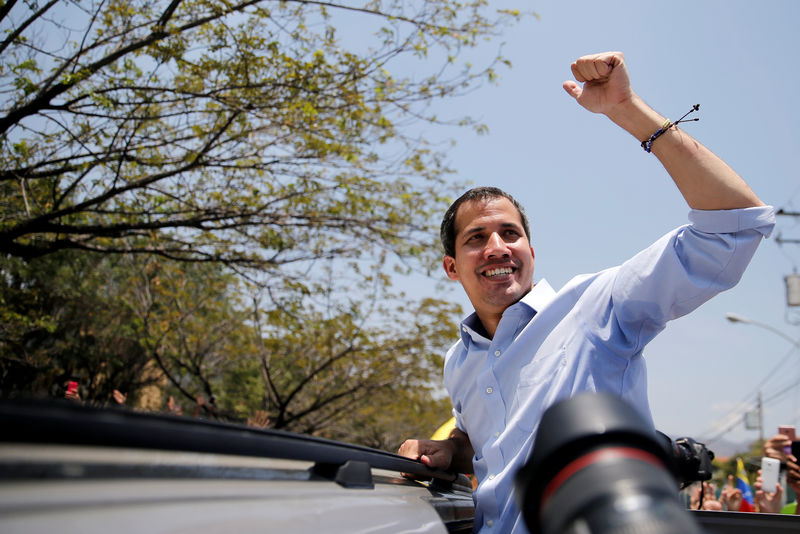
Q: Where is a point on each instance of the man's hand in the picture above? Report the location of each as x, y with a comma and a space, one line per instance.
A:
434, 454
606, 83
453, 454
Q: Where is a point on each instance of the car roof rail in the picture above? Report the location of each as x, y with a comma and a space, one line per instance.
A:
69, 423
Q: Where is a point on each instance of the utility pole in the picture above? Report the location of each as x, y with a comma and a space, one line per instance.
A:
792, 281
760, 419
780, 239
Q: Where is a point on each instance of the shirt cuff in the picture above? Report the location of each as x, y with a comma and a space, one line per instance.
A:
760, 218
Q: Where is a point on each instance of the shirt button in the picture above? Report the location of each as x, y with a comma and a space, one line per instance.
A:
489, 523
497, 434
491, 477
497, 353
489, 390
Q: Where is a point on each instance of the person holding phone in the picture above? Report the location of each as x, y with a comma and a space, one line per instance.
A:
71, 392
777, 447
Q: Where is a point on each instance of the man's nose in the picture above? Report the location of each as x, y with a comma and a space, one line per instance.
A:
496, 246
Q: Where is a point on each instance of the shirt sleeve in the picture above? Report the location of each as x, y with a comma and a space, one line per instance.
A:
684, 269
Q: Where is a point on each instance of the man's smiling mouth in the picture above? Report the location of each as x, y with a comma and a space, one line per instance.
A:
498, 271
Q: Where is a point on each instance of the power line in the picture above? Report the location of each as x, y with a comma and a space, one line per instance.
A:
754, 392
727, 429
779, 394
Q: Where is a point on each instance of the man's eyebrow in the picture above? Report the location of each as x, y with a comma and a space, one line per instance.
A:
504, 225
474, 230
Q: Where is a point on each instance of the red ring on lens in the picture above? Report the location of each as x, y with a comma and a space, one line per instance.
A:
593, 457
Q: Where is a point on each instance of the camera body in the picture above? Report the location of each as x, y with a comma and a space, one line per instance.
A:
690, 461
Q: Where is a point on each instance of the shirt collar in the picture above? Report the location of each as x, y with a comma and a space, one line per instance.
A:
536, 299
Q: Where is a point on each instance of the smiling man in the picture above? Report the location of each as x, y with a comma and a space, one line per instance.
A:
489, 252
527, 346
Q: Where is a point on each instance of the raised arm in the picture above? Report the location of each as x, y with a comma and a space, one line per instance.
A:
704, 180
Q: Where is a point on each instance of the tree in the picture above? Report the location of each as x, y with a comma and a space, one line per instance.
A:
358, 370
192, 323
180, 140
240, 132
341, 370
63, 318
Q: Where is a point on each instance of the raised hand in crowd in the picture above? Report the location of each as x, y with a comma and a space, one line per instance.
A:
260, 419
731, 496
777, 447
767, 502
119, 397
173, 407
205, 408
793, 478
71, 392
710, 501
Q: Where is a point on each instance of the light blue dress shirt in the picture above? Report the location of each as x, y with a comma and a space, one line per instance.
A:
588, 336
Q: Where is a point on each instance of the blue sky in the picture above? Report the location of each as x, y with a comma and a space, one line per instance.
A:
595, 198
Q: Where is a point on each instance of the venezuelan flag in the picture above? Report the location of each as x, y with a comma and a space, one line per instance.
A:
743, 484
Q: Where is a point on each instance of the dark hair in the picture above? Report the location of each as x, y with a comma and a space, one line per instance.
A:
447, 233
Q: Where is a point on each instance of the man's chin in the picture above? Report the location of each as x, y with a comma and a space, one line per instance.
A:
507, 298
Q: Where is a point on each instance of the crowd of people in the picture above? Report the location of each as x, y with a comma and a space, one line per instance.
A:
203, 408
775, 500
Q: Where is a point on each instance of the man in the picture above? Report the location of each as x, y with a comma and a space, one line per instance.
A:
527, 346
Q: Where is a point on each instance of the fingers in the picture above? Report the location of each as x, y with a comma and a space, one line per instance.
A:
410, 449
595, 67
776, 445
419, 449
573, 89
433, 453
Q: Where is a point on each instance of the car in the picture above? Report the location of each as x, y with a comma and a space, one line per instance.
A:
69, 468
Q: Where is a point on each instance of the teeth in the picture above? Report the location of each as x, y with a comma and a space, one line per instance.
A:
498, 271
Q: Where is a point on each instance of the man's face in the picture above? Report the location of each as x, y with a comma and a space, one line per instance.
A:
494, 260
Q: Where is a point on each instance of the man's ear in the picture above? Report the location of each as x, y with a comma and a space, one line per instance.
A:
449, 264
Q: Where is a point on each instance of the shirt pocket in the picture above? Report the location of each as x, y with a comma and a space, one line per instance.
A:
538, 388
543, 368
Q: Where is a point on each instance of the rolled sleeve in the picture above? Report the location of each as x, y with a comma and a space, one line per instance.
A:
761, 219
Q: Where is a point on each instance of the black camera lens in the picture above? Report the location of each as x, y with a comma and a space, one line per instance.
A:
598, 467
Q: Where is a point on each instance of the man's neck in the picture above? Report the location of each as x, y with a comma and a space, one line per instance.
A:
487, 327
490, 321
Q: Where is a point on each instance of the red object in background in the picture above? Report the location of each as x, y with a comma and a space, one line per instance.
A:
72, 386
